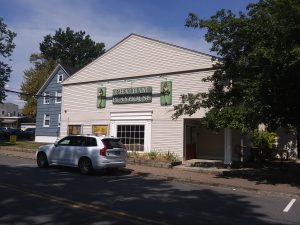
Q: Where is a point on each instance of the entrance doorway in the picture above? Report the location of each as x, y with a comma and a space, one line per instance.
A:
190, 142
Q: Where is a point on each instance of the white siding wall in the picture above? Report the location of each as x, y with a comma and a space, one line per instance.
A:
137, 56
79, 107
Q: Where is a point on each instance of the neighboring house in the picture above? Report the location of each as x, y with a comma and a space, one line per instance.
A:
11, 116
129, 92
9, 110
49, 99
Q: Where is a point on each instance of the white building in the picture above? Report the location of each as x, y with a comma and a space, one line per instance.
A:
129, 92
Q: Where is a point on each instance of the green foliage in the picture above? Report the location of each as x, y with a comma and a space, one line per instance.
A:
170, 157
6, 47
74, 49
258, 78
154, 155
133, 154
263, 139
34, 78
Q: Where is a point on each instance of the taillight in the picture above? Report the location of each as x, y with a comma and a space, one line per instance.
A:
103, 150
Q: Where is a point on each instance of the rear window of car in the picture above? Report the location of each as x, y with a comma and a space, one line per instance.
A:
112, 143
90, 141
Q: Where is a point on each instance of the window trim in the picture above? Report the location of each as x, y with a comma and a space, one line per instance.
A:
56, 95
58, 78
46, 96
44, 124
147, 131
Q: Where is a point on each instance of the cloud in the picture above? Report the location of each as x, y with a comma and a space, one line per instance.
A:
39, 18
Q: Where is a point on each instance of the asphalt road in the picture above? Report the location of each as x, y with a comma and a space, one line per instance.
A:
58, 195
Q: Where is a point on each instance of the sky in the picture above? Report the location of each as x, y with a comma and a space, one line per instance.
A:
105, 21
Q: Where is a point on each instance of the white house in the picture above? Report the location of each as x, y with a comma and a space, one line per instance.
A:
129, 92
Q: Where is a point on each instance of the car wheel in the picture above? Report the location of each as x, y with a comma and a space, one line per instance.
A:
42, 160
85, 166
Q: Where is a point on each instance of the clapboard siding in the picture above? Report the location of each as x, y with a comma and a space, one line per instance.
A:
52, 108
138, 56
79, 101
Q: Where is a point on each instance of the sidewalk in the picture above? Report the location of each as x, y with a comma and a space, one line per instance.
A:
236, 179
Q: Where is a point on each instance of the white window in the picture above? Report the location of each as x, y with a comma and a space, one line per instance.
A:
58, 97
132, 136
58, 120
46, 120
60, 78
133, 128
46, 98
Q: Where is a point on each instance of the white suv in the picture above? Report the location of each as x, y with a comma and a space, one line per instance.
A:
84, 151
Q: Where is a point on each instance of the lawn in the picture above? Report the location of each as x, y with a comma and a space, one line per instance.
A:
22, 145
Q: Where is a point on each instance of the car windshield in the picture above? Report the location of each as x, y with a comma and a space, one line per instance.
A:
112, 143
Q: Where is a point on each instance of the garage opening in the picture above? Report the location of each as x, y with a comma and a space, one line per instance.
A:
201, 143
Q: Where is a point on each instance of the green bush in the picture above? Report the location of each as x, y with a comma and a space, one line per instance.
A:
153, 155
170, 157
263, 139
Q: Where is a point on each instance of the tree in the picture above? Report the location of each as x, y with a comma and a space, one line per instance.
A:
257, 79
6, 47
34, 78
74, 49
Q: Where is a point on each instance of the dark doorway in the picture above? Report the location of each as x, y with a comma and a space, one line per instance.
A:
190, 142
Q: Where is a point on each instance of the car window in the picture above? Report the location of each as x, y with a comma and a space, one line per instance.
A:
64, 141
112, 143
77, 141
90, 141
72, 141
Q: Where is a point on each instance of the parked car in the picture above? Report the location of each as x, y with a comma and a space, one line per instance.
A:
29, 133
8, 131
86, 152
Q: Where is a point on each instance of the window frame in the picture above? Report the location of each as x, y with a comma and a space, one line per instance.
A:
56, 96
46, 97
58, 78
44, 121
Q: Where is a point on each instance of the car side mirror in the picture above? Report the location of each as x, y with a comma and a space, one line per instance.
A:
56, 144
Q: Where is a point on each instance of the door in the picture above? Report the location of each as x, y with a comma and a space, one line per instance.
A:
190, 142
68, 149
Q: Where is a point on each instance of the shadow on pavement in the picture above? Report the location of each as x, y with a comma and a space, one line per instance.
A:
273, 173
29, 195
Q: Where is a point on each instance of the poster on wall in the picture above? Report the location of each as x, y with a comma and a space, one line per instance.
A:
101, 97
74, 129
100, 130
166, 93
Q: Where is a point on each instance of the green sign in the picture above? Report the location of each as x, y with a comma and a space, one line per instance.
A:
101, 97
132, 95
166, 93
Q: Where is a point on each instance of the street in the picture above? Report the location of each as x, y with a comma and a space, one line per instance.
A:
59, 195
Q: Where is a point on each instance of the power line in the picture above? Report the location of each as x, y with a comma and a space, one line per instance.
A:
29, 94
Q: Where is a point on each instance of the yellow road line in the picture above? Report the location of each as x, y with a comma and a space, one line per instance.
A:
82, 206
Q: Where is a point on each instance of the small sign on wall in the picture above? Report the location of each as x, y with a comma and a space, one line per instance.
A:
166, 93
100, 130
101, 97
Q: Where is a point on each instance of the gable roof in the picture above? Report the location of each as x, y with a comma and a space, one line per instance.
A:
137, 55
68, 71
